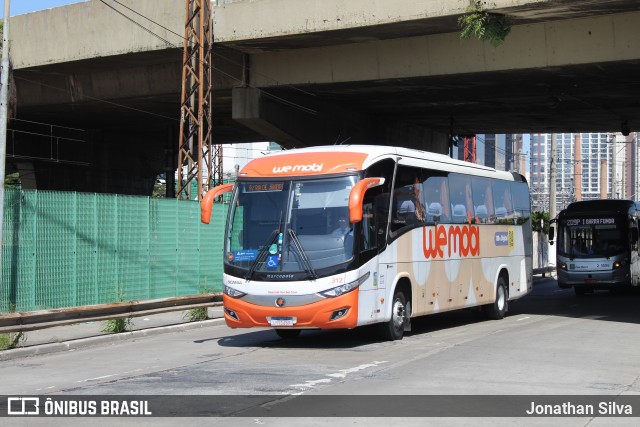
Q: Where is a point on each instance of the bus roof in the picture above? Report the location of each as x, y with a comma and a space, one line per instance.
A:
335, 159
601, 205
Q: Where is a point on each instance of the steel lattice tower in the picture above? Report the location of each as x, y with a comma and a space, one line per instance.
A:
470, 149
198, 158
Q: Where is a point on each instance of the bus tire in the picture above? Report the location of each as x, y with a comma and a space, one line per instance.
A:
498, 308
394, 328
288, 333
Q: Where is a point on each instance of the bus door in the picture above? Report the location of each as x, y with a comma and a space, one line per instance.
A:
373, 241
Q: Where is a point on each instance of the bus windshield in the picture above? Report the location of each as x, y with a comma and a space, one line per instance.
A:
592, 237
290, 225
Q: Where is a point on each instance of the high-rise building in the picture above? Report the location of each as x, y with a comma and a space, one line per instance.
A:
493, 150
588, 166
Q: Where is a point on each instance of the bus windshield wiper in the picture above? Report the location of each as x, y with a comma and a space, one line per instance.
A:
303, 255
262, 254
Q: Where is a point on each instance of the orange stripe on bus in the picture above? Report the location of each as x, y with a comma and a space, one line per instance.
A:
319, 163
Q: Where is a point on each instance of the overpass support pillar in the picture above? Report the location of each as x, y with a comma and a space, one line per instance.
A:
297, 120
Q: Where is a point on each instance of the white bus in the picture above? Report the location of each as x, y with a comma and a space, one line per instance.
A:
422, 234
597, 245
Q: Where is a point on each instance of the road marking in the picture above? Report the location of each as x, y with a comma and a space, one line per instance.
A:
340, 374
343, 373
96, 378
311, 383
524, 318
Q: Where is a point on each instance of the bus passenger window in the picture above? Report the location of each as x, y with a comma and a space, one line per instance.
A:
502, 200
408, 199
482, 200
461, 200
434, 188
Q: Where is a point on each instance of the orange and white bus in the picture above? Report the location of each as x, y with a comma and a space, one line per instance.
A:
421, 233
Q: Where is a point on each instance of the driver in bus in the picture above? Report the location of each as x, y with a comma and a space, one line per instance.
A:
343, 227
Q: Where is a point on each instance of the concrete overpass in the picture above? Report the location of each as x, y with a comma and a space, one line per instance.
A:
304, 72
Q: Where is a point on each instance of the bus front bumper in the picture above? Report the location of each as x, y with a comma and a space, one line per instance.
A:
330, 313
594, 279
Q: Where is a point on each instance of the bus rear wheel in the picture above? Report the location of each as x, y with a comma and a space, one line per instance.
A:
498, 308
288, 333
394, 328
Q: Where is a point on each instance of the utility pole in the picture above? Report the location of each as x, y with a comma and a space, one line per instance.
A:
552, 179
614, 171
4, 115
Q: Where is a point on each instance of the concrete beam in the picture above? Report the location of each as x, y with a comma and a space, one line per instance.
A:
295, 120
237, 20
606, 38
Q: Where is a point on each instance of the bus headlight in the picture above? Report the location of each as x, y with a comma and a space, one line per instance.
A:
618, 264
563, 266
343, 289
233, 293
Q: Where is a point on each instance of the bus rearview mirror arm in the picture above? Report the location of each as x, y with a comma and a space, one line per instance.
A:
206, 205
356, 197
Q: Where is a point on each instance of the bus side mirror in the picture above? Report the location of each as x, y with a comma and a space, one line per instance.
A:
206, 205
356, 197
634, 235
552, 233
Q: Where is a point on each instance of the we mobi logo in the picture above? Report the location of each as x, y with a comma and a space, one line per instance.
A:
314, 167
457, 240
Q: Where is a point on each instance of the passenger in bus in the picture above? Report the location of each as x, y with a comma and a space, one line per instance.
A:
411, 209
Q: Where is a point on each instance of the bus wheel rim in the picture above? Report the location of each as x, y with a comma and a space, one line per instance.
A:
501, 297
398, 314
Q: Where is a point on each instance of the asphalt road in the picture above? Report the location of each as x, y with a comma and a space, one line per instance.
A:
551, 343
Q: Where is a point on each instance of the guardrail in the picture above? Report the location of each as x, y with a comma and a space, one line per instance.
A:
33, 320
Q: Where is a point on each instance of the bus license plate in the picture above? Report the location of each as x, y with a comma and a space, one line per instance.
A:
281, 321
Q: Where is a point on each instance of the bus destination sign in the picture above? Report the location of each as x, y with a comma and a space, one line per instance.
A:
577, 222
262, 187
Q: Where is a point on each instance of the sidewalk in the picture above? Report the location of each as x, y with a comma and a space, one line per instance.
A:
79, 335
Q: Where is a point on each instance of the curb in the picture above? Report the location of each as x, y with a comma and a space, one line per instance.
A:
75, 344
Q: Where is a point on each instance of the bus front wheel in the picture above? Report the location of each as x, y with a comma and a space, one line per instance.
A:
394, 328
498, 308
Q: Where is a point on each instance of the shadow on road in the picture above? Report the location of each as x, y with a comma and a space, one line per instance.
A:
546, 299
619, 305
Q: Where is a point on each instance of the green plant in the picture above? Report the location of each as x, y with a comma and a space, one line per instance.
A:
123, 324
9, 341
116, 326
196, 314
199, 313
540, 221
12, 180
483, 25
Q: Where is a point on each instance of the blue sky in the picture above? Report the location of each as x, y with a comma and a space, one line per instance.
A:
19, 7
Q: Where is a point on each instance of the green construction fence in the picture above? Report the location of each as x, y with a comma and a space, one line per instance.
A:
67, 249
